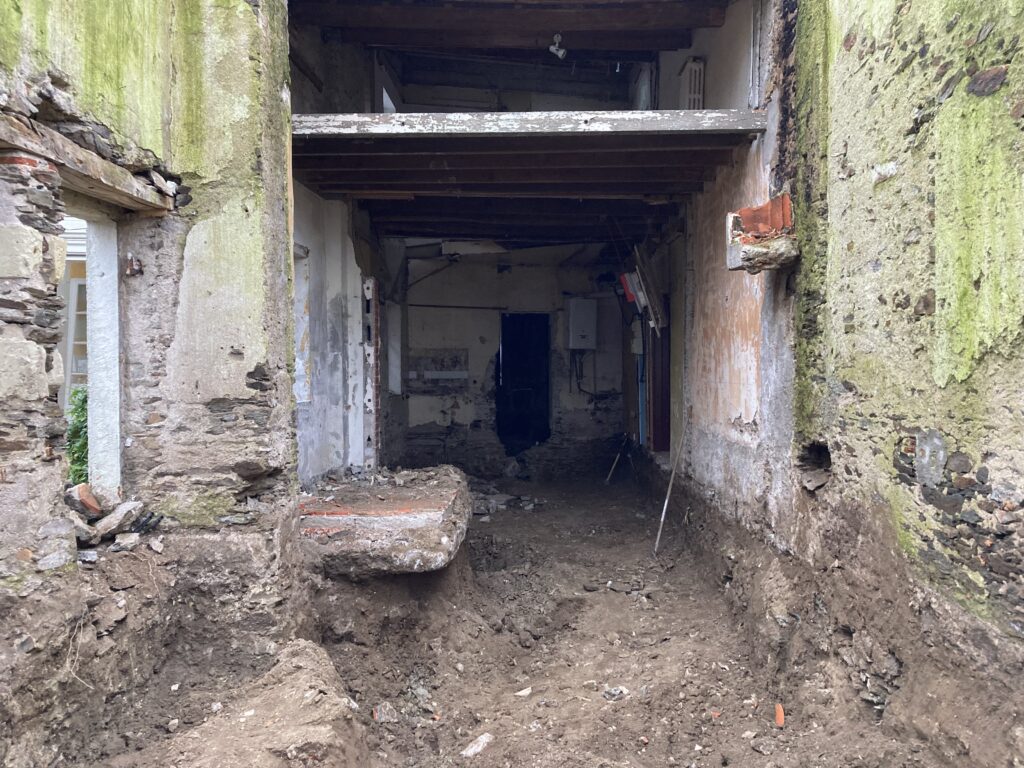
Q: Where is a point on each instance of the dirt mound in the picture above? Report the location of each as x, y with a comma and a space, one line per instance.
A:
294, 716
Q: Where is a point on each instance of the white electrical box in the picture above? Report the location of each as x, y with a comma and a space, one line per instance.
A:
582, 323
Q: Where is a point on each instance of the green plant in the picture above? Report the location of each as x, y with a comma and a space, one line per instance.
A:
78, 436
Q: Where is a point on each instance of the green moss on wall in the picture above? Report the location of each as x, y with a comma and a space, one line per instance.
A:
814, 54
979, 227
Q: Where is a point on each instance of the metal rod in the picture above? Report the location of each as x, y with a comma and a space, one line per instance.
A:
608, 480
668, 491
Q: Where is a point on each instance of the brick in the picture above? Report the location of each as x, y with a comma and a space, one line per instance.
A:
22, 370
21, 251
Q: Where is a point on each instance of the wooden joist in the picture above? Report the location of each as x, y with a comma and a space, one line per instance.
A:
83, 171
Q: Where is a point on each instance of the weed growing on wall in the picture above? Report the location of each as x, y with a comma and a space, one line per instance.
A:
78, 436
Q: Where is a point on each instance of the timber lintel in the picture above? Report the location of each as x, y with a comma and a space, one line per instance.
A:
83, 171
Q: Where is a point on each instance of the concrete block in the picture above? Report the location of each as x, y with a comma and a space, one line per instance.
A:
412, 529
21, 251
22, 370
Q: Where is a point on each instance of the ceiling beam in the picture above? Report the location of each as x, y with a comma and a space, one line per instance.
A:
442, 207
641, 158
511, 176
570, 189
580, 44
532, 124
583, 143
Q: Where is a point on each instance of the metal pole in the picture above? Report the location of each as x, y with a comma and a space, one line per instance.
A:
668, 492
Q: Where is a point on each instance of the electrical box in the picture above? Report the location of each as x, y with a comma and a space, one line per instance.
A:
582, 323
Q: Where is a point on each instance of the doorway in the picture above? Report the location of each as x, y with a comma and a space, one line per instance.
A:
523, 397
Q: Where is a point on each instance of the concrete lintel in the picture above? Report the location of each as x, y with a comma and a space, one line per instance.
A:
82, 170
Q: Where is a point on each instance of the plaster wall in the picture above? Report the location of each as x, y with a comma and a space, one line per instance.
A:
330, 415
461, 425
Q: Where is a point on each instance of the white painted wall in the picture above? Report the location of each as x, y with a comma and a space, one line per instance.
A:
329, 343
534, 283
104, 340
728, 51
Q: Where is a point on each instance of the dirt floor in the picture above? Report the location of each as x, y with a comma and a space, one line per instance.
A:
570, 645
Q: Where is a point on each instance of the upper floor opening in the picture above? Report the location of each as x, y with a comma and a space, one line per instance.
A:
384, 56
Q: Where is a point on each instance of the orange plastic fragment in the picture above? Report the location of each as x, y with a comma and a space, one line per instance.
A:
780, 716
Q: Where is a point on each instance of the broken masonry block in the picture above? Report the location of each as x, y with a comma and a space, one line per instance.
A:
762, 237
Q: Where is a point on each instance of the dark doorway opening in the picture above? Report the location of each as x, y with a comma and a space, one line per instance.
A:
524, 381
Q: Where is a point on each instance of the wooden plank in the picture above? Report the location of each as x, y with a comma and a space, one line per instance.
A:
83, 171
622, 159
533, 124
477, 19
584, 45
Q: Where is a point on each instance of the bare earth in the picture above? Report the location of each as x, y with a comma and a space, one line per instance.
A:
571, 645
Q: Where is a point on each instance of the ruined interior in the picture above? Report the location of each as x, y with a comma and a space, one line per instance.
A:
535, 383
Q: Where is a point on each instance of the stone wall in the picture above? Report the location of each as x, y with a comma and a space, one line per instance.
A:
198, 91
911, 293
31, 424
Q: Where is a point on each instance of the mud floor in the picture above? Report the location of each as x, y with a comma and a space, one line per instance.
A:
558, 634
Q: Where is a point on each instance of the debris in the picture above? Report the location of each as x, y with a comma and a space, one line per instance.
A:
780, 716
54, 560
815, 479
385, 713
157, 545
616, 693
120, 520
216, 707
478, 745
81, 499
84, 532
172, 725
524, 693
460, 667
126, 542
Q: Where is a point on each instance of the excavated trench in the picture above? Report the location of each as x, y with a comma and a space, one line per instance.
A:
554, 636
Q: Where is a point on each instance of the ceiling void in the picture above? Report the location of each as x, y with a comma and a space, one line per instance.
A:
618, 25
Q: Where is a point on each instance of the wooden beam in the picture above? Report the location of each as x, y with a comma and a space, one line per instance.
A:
581, 44
510, 176
641, 158
548, 19
441, 207
500, 144
533, 124
570, 189
83, 171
